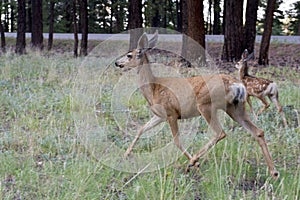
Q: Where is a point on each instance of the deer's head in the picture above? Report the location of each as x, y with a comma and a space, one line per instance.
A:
245, 57
137, 56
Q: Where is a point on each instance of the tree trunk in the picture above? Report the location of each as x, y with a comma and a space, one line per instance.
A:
196, 29
233, 36
155, 14
75, 29
29, 17
298, 31
217, 16
164, 13
68, 16
84, 27
196, 32
112, 15
3, 43
37, 25
209, 23
179, 16
21, 42
6, 17
12, 16
119, 17
265, 42
250, 25
184, 15
51, 23
135, 21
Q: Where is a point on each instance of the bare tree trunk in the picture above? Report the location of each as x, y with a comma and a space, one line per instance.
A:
75, 29
250, 25
119, 17
298, 31
67, 5
21, 42
51, 23
29, 17
2, 33
84, 27
179, 16
217, 16
37, 25
112, 15
3, 42
233, 36
12, 16
135, 21
265, 43
209, 22
184, 15
6, 17
196, 32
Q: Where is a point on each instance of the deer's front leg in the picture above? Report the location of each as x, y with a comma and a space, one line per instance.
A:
212, 120
154, 121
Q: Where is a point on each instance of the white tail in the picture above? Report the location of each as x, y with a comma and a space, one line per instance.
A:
259, 87
171, 99
236, 94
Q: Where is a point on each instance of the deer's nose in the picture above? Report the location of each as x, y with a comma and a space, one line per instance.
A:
118, 64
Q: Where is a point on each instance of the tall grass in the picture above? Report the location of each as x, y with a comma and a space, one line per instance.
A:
43, 157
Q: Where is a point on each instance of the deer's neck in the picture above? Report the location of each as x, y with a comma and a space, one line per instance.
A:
146, 80
243, 72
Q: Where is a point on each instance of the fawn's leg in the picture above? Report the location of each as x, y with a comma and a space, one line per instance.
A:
238, 113
274, 99
266, 104
154, 121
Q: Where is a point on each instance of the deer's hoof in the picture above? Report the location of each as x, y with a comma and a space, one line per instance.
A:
126, 155
275, 174
188, 169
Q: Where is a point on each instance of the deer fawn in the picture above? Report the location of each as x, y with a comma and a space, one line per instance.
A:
258, 87
173, 98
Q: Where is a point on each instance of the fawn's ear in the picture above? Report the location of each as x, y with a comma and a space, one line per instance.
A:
143, 42
153, 40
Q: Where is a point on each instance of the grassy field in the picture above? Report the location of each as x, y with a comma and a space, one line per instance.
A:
46, 102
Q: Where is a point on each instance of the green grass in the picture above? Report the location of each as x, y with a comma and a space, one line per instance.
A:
43, 155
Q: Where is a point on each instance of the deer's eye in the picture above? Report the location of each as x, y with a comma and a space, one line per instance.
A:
129, 56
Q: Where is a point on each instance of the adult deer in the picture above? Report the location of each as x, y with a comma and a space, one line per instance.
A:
258, 87
173, 98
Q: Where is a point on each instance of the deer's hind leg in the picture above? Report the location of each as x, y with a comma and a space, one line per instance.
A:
250, 106
239, 114
174, 128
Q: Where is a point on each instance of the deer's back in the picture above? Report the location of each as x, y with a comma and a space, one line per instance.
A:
256, 86
185, 96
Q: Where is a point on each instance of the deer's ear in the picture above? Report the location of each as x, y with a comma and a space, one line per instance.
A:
143, 42
153, 40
